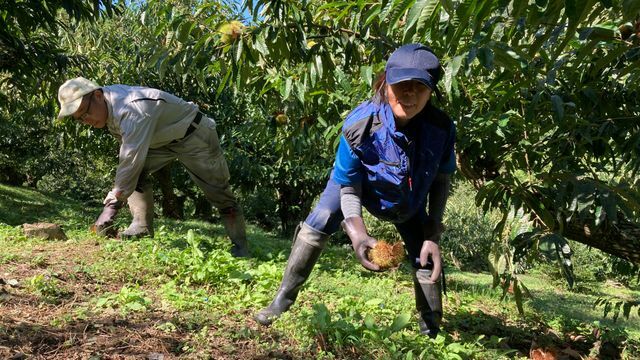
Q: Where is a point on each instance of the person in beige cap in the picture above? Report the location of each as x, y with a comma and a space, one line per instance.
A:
153, 128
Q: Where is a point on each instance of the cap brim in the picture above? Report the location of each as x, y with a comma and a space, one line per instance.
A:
395, 76
70, 108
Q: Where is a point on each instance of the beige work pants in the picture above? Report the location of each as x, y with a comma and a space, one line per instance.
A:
201, 155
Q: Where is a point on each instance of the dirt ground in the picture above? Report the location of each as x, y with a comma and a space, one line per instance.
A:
33, 328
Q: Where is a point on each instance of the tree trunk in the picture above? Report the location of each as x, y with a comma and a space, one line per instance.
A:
288, 219
203, 208
621, 239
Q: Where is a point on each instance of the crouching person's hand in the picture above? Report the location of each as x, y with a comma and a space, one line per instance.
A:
431, 247
361, 241
104, 225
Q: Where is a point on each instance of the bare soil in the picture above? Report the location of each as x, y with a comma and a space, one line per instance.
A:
34, 327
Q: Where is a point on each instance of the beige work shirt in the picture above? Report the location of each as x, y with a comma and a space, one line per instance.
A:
142, 118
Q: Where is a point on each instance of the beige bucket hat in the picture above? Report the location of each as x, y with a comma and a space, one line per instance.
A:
71, 92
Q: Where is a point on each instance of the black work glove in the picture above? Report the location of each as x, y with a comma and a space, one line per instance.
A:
432, 230
361, 241
104, 224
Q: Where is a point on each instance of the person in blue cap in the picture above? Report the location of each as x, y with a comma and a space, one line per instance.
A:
395, 158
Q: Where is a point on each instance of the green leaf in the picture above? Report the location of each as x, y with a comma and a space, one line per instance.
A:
517, 293
300, 91
455, 348
596, 33
599, 215
630, 9
430, 16
285, 88
400, 322
563, 253
162, 68
260, 45
238, 47
369, 321
416, 11
394, 11
607, 3
268, 85
506, 57
223, 83
570, 9
318, 66
184, 30
608, 60
451, 71
155, 58
374, 302
313, 76
480, 13
102, 302
366, 73
135, 306
558, 107
485, 56
372, 14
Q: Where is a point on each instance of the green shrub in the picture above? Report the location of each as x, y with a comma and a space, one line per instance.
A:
469, 235
129, 299
48, 288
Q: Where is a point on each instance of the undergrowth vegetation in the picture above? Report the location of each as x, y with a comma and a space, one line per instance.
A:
183, 295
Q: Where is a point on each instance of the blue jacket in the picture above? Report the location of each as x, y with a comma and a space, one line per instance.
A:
396, 168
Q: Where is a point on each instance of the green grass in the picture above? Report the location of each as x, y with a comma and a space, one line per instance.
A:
187, 297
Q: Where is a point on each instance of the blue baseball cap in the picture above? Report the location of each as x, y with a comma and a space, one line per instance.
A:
413, 62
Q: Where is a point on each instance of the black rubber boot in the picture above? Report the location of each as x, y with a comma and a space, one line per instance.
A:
306, 250
428, 302
234, 225
141, 207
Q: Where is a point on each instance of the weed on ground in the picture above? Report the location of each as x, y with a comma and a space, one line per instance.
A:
182, 295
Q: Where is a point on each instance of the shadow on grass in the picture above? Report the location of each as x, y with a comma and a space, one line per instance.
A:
23, 205
558, 314
467, 326
551, 301
147, 335
106, 336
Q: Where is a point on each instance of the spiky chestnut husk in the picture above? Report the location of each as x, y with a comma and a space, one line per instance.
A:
282, 119
231, 31
386, 255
